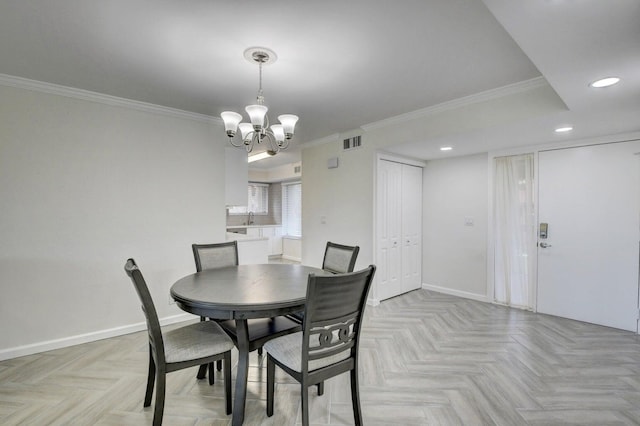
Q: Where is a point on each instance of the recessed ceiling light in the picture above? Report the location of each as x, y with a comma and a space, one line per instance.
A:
564, 129
605, 82
445, 148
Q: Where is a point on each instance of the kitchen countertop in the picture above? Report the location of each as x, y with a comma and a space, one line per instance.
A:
252, 226
243, 237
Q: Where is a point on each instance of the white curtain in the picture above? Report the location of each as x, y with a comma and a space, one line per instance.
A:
515, 232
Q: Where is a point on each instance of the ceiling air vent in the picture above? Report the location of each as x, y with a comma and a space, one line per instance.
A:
352, 143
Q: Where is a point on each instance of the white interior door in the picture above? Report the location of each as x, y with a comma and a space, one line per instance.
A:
588, 271
411, 228
388, 274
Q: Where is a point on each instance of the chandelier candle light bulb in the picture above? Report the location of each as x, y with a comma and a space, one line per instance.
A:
276, 136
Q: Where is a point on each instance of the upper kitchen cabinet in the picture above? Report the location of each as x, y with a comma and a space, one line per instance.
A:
236, 176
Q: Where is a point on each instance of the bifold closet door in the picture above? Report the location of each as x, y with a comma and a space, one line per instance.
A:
411, 205
399, 229
388, 274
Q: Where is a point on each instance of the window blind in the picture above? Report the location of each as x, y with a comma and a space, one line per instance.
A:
292, 209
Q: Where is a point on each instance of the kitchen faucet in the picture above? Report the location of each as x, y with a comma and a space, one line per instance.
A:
250, 219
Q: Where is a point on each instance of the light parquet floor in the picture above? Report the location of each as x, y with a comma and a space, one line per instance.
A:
426, 359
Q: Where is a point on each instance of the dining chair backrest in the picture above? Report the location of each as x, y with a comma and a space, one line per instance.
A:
214, 256
339, 258
333, 316
149, 309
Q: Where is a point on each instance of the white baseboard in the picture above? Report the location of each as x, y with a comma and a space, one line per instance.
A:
64, 342
295, 259
459, 293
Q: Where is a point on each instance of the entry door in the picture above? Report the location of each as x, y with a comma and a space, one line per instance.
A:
588, 264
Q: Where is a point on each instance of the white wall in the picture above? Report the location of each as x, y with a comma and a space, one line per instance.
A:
85, 185
454, 253
337, 204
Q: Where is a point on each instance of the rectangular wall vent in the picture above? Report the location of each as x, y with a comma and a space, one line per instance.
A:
296, 170
351, 143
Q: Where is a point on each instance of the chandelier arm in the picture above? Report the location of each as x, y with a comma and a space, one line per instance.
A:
272, 143
234, 144
251, 142
284, 144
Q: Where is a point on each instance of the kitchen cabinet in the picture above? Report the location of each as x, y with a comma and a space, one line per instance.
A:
250, 249
274, 235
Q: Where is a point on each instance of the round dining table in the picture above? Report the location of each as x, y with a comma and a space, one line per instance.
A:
241, 293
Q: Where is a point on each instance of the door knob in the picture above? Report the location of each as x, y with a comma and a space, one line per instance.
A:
544, 245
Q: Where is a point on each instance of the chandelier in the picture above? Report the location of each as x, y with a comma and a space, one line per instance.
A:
275, 136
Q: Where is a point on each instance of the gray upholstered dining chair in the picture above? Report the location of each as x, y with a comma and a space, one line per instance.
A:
329, 340
261, 330
338, 259
214, 256
179, 348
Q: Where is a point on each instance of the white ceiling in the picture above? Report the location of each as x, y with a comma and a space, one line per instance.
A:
341, 64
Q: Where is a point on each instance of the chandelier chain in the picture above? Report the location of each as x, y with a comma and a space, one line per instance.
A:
260, 93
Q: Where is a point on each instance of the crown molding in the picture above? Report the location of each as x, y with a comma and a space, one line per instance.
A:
86, 95
488, 95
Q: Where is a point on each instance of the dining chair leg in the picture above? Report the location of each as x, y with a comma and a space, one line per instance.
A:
219, 365
161, 382
304, 398
227, 380
355, 397
271, 375
202, 372
260, 351
150, 380
212, 374
320, 387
